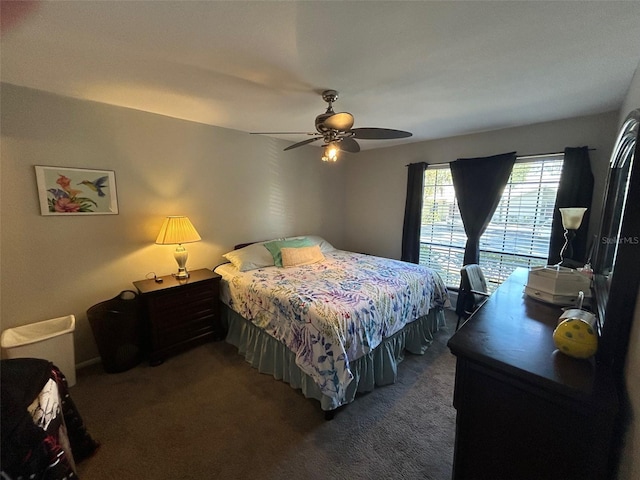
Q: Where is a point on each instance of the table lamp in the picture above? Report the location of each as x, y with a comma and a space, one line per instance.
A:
571, 220
177, 230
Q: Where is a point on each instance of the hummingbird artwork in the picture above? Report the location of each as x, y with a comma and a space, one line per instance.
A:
97, 185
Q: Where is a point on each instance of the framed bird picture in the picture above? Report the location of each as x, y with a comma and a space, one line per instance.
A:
76, 191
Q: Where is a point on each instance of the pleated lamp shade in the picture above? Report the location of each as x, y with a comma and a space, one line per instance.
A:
176, 230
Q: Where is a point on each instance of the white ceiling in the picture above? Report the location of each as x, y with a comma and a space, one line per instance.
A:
437, 69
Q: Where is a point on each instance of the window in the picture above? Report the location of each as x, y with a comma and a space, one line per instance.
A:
518, 234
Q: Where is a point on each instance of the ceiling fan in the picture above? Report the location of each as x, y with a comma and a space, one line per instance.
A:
336, 132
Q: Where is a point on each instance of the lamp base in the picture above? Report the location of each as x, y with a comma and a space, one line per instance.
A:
566, 253
181, 258
182, 274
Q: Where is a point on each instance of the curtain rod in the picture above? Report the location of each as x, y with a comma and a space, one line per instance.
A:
518, 157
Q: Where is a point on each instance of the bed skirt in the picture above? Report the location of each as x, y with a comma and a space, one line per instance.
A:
377, 368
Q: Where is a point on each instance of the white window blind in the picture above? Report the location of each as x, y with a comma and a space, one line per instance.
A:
518, 234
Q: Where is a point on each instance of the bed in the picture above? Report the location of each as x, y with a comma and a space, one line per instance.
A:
43, 434
330, 322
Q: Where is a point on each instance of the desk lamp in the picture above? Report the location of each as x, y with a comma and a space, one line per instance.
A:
571, 220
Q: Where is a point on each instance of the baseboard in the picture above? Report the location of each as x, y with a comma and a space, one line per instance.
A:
87, 363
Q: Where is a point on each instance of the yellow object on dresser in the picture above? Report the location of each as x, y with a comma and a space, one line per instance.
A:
576, 338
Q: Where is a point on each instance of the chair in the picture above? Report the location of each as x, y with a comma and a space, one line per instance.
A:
473, 291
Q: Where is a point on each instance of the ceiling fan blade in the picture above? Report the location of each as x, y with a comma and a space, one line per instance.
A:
379, 133
299, 144
342, 121
348, 144
283, 133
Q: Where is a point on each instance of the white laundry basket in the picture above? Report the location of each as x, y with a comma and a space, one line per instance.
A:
50, 339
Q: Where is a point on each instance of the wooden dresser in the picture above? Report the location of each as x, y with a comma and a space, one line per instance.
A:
525, 410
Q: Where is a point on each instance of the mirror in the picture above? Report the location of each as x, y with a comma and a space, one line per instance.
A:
615, 284
616, 195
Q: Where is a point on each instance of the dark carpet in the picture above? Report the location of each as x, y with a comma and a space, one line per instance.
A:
206, 414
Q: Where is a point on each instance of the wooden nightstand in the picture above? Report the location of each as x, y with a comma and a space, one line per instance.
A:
180, 314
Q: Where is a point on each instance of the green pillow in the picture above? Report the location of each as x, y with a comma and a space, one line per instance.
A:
275, 246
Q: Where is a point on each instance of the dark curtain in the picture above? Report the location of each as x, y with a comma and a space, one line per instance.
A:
575, 190
478, 183
413, 213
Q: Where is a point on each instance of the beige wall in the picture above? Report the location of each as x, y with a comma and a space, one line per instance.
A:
376, 180
235, 187
630, 464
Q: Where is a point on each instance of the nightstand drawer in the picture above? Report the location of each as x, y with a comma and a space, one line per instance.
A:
185, 308
187, 295
169, 335
183, 319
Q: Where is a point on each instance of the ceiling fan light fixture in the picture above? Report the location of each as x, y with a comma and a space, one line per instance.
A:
331, 152
337, 132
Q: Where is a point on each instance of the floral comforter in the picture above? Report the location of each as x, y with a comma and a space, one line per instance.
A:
333, 312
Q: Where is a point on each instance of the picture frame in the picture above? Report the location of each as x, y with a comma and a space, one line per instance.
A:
65, 191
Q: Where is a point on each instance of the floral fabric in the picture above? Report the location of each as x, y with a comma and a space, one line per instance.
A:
333, 312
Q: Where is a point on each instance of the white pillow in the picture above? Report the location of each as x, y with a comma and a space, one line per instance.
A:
324, 245
293, 257
250, 257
